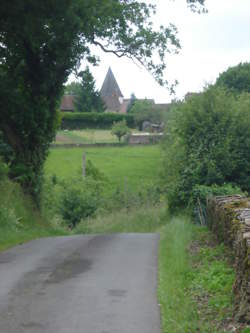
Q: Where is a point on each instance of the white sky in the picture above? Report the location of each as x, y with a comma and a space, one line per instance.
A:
210, 44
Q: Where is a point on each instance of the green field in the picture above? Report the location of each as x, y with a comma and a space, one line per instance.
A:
87, 136
123, 166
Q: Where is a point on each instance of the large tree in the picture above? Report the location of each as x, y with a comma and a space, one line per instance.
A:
42, 41
236, 78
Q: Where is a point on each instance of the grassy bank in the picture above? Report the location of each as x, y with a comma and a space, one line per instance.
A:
20, 220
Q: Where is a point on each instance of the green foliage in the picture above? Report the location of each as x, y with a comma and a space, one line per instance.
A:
120, 129
146, 110
3, 170
20, 220
211, 281
207, 142
87, 98
202, 192
72, 88
236, 79
79, 199
131, 103
93, 172
94, 120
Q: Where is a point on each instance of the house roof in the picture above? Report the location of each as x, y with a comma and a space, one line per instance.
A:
67, 103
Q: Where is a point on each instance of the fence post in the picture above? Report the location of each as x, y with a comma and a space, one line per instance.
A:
84, 165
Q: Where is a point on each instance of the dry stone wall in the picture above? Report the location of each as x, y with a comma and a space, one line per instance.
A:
229, 219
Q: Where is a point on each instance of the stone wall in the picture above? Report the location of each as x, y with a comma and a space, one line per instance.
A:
229, 219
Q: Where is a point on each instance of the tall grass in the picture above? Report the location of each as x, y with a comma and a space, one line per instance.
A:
138, 219
20, 221
178, 314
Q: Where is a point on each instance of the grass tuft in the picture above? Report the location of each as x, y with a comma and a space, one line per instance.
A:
138, 219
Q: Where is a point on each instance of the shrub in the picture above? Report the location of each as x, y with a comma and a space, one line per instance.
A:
207, 142
146, 110
94, 120
202, 192
79, 199
120, 129
93, 172
236, 78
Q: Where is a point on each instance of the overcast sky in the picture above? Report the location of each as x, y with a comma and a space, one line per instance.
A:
210, 44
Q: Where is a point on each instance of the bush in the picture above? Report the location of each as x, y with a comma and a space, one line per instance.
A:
79, 200
202, 192
207, 142
120, 129
146, 110
93, 172
105, 120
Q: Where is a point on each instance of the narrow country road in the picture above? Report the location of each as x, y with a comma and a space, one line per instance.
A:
81, 284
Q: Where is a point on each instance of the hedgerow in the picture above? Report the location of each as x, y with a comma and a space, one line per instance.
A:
94, 120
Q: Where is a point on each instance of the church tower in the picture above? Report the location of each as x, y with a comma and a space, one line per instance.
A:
111, 93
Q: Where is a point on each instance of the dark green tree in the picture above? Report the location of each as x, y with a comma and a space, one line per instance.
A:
41, 42
131, 102
87, 98
236, 79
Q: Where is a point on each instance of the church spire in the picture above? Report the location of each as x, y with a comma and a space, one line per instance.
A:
111, 93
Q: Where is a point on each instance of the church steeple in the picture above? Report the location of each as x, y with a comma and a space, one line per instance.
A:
111, 93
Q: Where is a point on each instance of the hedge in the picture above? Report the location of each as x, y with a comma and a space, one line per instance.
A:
94, 120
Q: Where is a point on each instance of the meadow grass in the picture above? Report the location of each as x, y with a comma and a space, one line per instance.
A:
129, 166
89, 136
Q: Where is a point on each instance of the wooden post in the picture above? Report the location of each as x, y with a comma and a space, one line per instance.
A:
84, 165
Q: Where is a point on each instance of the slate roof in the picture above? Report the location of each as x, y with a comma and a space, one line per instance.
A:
67, 103
111, 93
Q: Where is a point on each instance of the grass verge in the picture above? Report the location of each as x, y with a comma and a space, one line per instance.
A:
195, 281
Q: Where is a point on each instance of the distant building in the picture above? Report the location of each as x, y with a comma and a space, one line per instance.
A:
111, 93
67, 103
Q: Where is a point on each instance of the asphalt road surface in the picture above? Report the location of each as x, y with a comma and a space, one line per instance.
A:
81, 284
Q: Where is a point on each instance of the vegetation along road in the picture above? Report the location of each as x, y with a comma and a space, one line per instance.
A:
95, 284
